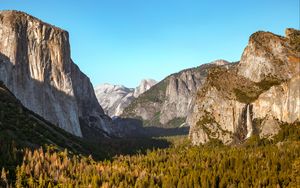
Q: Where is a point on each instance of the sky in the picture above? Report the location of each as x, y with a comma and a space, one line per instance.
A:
124, 41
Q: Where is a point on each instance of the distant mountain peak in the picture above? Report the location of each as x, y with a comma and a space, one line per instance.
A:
219, 62
115, 98
145, 85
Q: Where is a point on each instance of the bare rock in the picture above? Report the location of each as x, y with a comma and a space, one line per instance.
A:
35, 64
252, 97
167, 104
115, 98
144, 86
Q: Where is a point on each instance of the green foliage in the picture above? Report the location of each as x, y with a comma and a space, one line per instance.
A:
234, 86
27, 129
155, 94
267, 83
254, 164
246, 96
288, 132
253, 90
294, 39
21, 128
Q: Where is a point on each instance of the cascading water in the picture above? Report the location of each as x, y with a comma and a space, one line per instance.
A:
249, 122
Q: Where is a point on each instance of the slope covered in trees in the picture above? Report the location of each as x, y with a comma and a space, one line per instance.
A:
256, 163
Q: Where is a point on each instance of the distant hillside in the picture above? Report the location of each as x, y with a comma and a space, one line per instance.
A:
167, 103
21, 128
115, 98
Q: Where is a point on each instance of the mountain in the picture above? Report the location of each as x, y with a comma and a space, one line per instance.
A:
27, 129
36, 66
144, 86
254, 97
115, 98
167, 103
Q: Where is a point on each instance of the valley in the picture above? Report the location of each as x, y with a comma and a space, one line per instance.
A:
219, 124
256, 163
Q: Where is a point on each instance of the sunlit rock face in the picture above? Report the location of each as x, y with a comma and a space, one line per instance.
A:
115, 98
35, 64
252, 97
167, 103
144, 86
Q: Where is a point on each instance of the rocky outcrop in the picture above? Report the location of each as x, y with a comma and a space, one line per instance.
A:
269, 56
115, 98
144, 86
26, 129
35, 64
167, 103
252, 97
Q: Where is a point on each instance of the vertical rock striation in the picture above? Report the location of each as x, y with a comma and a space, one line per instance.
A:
252, 97
167, 103
35, 64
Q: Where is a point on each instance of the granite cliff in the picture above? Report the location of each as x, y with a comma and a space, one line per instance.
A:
115, 98
253, 97
26, 129
167, 103
36, 65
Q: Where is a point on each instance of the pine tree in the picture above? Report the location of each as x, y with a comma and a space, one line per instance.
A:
4, 177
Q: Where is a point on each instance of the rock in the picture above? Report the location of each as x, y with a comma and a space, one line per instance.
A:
35, 64
269, 56
145, 85
270, 127
115, 98
252, 97
26, 129
167, 103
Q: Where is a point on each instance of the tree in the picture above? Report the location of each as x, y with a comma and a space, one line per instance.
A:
4, 177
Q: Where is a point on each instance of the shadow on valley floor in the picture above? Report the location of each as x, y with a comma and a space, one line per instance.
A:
130, 137
133, 138
133, 128
22, 128
159, 132
133, 141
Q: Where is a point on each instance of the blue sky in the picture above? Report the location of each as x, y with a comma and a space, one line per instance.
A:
124, 41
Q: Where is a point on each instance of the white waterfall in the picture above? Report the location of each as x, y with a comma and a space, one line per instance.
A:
249, 122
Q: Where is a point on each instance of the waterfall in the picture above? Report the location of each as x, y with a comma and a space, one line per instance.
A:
249, 122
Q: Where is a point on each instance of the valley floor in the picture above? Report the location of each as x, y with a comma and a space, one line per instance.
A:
256, 163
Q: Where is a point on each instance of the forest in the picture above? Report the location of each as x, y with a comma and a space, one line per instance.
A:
255, 163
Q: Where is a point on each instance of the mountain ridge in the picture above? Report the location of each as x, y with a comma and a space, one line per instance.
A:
115, 98
167, 103
254, 97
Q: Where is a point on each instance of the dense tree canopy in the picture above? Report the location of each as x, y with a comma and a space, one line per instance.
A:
256, 163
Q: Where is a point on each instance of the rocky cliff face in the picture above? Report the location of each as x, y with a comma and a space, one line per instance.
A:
167, 103
252, 97
35, 64
144, 86
28, 130
115, 98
